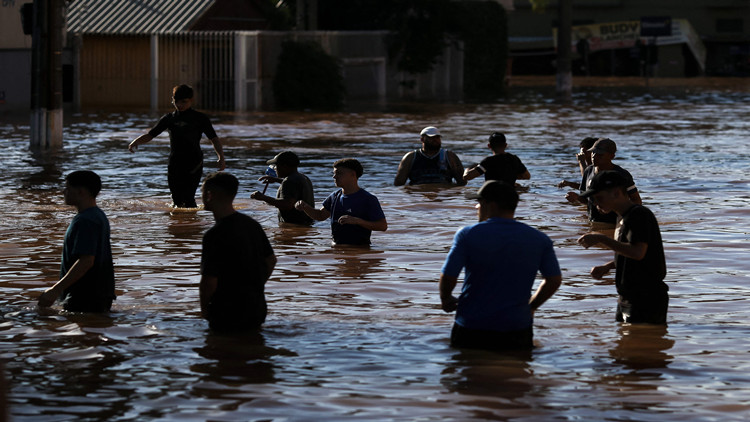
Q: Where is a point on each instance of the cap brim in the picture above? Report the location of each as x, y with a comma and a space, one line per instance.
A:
588, 193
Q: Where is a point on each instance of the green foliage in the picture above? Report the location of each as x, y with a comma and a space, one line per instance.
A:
420, 30
307, 78
539, 5
482, 26
418, 33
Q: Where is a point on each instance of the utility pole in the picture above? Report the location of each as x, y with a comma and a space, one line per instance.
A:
46, 74
564, 74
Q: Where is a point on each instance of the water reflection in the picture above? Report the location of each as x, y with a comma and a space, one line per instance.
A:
642, 346
235, 360
369, 339
484, 373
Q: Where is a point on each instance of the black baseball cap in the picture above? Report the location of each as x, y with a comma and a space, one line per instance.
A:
605, 180
287, 158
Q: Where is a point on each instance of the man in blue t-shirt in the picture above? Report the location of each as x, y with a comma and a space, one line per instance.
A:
353, 211
87, 277
501, 258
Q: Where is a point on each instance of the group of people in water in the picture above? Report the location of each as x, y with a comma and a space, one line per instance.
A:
500, 256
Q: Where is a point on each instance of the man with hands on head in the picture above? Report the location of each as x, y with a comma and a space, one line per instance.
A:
602, 153
639, 262
353, 211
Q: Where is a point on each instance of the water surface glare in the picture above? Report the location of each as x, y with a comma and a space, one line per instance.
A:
357, 334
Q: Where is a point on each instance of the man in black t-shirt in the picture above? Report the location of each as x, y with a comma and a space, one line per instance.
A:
236, 261
295, 186
639, 253
502, 166
602, 153
186, 127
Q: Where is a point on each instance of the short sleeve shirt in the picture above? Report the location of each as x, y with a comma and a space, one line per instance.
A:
504, 167
643, 278
185, 131
594, 214
235, 251
501, 258
360, 204
88, 235
298, 187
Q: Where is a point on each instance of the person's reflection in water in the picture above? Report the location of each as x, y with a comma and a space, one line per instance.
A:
505, 375
238, 359
356, 262
185, 228
642, 346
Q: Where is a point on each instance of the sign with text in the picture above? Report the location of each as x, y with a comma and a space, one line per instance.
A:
656, 26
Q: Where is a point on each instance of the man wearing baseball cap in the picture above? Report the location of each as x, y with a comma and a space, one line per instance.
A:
639, 263
501, 258
602, 154
294, 187
430, 164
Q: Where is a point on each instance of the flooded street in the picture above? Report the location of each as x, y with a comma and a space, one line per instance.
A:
358, 334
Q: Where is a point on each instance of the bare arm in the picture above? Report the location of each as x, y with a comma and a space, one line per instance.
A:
546, 289
457, 169
525, 175
318, 215
282, 204
379, 225
207, 289
145, 138
448, 302
471, 173
569, 184
575, 198
79, 268
270, 265
635, 251
600, 270
404, 167
219, 153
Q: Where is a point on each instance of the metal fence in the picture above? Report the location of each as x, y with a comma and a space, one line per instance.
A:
235, 70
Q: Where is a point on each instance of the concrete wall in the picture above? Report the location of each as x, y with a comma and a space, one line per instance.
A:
15, 80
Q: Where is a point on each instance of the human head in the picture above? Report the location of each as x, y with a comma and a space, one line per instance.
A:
496, 197
219, 187
602, 152
431, 139
346, 173
88, 180
603, 181
352, 164
182, 97
604, 145
181, 92
286, 163
587, 142
497, 141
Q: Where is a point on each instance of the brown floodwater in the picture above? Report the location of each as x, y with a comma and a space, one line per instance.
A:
358, 334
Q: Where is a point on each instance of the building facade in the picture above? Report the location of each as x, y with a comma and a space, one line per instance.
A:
721, 26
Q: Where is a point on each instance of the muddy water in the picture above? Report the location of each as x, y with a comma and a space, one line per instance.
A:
358, 334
